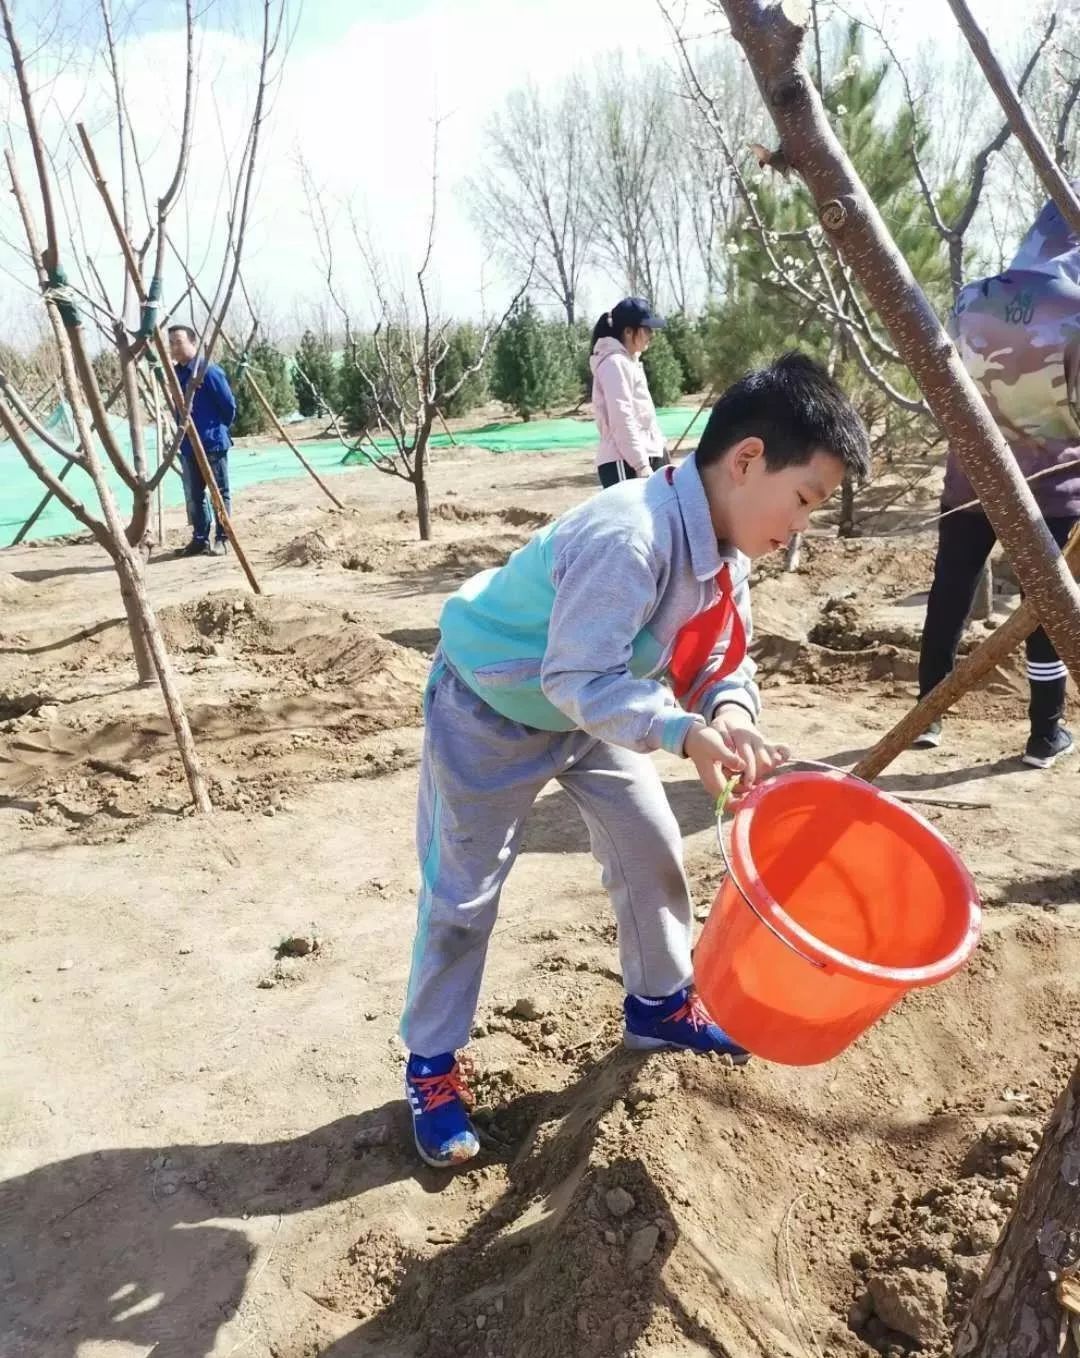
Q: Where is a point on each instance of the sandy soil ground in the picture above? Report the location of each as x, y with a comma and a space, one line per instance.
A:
203, 1142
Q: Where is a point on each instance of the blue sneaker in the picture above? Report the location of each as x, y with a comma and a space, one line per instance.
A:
680, 1021
440, 1101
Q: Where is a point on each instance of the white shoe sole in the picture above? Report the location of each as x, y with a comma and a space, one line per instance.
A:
1034, 762
929, 740
635, 1042
444, 1164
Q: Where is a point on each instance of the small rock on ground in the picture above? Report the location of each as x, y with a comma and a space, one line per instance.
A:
618, 1202
642, 1246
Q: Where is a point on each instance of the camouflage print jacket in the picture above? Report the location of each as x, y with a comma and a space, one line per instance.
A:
1018, 335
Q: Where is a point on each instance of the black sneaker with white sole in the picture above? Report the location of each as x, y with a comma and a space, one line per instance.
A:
196, 548
930, 738
1042, 751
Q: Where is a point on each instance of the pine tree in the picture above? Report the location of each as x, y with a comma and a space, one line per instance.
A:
759, 306
531, 369
465, 341
314, 377
684, 334
270, 369
663, 370
356, 404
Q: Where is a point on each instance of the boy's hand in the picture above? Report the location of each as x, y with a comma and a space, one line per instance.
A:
732, 744
758, 754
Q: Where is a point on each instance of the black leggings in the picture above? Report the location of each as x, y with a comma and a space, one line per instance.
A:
611, 473
964, 543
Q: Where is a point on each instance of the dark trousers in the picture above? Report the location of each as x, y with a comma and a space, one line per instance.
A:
611, 473
964, 543
198, 502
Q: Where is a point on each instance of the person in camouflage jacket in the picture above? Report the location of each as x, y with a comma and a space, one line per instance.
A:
1018, 334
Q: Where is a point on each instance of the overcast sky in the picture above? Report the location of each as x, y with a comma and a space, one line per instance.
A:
362, 87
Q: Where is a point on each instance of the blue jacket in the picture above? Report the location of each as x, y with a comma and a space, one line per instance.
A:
213, 410
579, 627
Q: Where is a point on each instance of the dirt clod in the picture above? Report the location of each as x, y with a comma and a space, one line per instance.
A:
911, 1303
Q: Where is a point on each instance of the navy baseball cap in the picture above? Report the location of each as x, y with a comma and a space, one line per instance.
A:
633, 312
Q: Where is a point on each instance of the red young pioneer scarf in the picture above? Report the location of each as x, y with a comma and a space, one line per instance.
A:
694, 643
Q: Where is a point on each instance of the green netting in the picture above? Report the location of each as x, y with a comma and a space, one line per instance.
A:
542, 436
21, 491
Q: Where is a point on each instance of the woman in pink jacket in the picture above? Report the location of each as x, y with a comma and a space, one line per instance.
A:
631, 443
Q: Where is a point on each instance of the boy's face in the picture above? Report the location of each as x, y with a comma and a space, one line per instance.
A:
759, 510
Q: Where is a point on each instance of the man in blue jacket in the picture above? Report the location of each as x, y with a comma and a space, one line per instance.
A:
213, 411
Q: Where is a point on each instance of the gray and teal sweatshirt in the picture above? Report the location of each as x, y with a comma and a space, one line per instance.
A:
580, 626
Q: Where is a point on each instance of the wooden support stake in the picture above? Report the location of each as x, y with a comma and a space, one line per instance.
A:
1012, 633
446, 429
42, 505
679, 442
260, 396
173, 383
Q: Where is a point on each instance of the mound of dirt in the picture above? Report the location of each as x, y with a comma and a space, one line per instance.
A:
515, 516
312, 548
311, 694
10, 585
683, 1207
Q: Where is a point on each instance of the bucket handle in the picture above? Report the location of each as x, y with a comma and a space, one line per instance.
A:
721, 805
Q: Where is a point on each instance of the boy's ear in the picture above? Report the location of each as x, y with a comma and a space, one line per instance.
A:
745, 454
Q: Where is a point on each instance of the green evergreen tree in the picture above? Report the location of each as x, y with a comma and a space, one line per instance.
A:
684, 334
356, 403
531, 371
578, 341
760, 317
465, 342
269, 368
662, 368
314, 376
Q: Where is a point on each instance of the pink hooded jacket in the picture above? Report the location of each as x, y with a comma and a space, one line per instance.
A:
623, 409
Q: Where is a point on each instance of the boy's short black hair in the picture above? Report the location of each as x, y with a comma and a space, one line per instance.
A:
796, 409
184, 330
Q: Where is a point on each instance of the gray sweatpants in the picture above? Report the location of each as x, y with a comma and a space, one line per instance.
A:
479, 775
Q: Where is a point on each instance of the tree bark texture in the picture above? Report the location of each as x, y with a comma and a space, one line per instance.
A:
423, 502
144, 662
1017, 1310
773, 43
982, 606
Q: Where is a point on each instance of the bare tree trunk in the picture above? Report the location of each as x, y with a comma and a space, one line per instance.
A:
1027, 1301
144, 662
130, 567
982, 605
849, 217
423, 502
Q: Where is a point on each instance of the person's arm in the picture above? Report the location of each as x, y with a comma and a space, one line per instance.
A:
224, 401
615, 380
732, 707
605, 593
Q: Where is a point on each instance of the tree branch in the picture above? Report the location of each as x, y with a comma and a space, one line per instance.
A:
1053, 181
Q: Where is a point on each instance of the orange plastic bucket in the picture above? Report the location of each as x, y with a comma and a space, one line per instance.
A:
837, 902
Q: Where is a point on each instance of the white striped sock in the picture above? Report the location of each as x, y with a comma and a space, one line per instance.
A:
1046, 672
